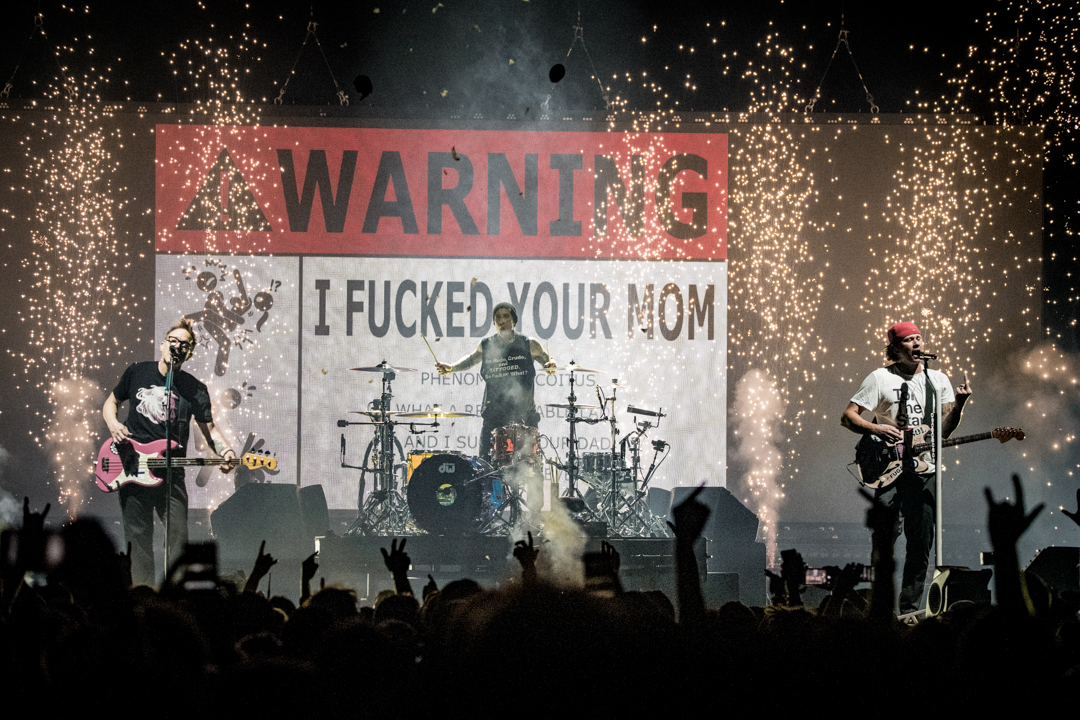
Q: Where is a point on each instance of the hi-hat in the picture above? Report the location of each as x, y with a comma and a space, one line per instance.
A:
565, 406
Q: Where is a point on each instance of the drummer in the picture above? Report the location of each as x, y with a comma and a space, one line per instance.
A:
506, 364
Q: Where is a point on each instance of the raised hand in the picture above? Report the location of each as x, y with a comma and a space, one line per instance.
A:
309, 567
690, 517
398, 563
1008, 521
880, 518
843, 588
263, 562
33, 522
429, 588
526, 554
878, 515
1074, 516
124, 559
963, 391
397, 560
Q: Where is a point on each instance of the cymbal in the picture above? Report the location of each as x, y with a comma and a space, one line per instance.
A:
384, 367
565, 406
435, 414
574, 367
616, 385
372, 413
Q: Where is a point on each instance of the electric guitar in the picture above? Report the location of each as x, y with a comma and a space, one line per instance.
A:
144, 463
881, 462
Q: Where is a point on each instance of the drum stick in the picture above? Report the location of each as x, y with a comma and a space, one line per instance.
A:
430, 350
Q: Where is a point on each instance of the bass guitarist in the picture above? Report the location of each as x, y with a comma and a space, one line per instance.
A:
913, 494
143, 385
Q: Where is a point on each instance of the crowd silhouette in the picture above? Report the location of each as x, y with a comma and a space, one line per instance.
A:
73, 629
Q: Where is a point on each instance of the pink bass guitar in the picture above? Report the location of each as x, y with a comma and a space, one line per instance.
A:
144, 463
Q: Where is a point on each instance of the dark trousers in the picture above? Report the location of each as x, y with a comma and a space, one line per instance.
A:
913, 496
137, 506
487, 439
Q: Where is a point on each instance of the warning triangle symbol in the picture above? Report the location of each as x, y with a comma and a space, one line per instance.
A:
231, 207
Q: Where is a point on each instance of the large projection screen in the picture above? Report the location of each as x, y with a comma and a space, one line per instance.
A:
304, 252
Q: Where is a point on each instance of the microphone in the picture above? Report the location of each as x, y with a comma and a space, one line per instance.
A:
343, 423
638, 411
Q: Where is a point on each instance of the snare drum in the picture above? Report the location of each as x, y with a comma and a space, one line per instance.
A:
451, 493
515, 443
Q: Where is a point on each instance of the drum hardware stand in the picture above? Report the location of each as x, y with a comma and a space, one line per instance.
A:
385, 512
571, 467
511, 503
632, 506
617, 459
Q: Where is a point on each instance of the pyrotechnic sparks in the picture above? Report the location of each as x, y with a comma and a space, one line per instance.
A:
928, 255
758, 409
76, 299
235, 302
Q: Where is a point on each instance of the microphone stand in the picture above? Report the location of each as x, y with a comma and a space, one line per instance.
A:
168, 453
936, 425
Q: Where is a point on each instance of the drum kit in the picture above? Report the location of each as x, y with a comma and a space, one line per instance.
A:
451, 493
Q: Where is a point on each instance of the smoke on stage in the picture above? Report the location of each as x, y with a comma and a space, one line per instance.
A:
759, 408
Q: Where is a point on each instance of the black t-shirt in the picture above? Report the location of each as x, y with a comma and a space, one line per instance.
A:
143, 386
509, 373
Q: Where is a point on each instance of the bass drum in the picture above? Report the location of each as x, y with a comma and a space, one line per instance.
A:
453, 494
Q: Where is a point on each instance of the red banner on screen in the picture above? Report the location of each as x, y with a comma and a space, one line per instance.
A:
472, 193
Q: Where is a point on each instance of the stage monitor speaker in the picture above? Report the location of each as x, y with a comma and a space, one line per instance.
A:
1058, 568
659, 501
257, 512
314, 511
957, 584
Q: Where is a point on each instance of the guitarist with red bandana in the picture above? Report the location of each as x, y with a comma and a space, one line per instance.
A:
143, 386
913, 493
